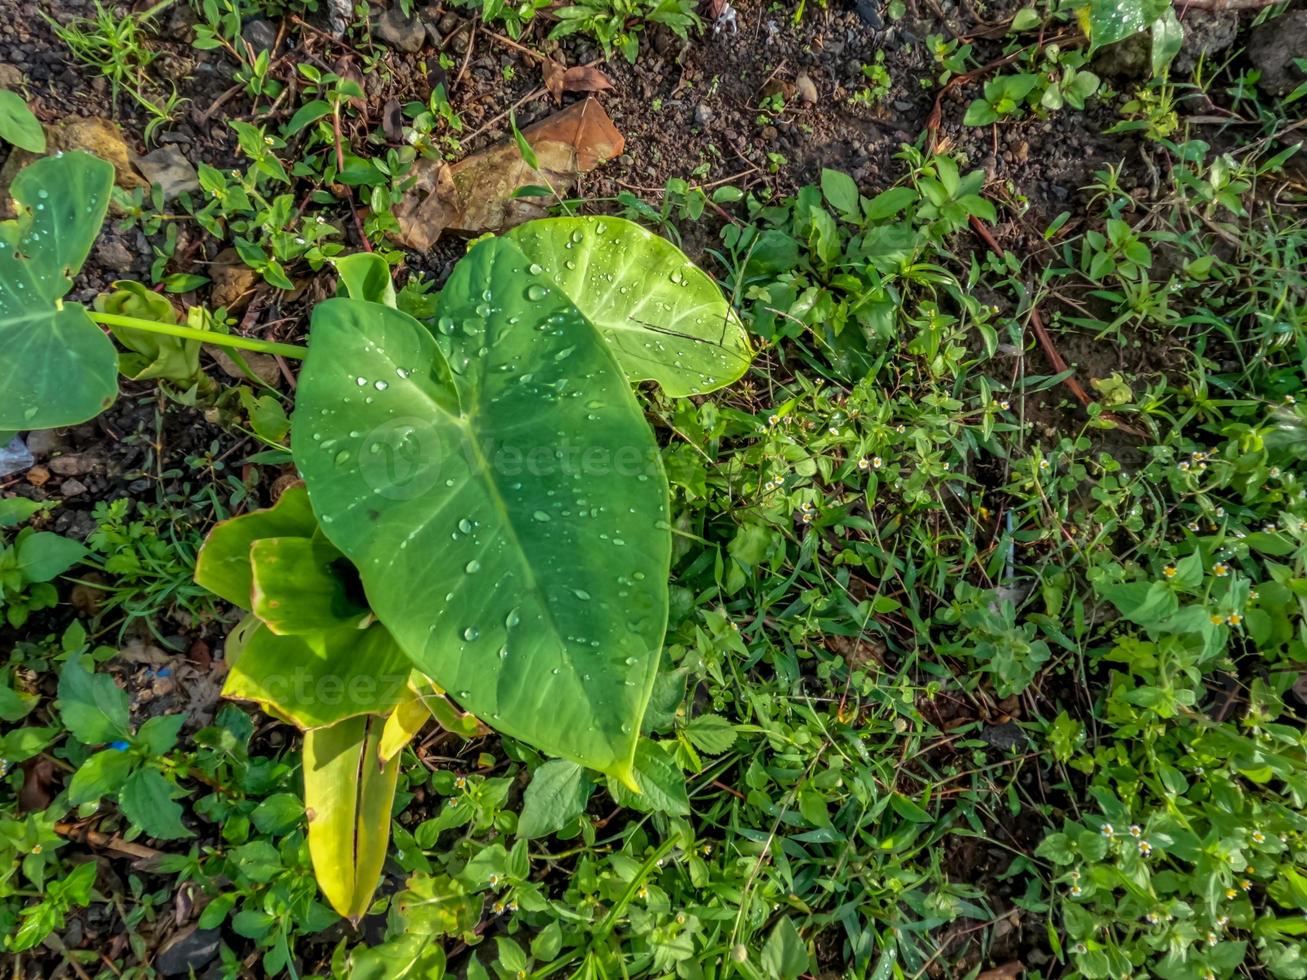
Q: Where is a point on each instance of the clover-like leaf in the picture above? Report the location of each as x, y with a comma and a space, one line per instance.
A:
56, 366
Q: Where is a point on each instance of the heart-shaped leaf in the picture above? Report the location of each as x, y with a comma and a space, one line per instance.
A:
663, 317
508, 517
56, 366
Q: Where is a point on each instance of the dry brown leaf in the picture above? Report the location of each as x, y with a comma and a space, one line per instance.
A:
475, 195
1008, 971
582, 78
554, 74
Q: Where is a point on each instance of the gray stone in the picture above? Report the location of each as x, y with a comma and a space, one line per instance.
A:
1274, 46
400, 32
702, 115
191, 949
1206, 33
72, 488
114, 255
11, 77
43, 442
168, 168
74, 464
259, 34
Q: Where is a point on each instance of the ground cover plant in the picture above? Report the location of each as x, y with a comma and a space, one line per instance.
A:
886, 559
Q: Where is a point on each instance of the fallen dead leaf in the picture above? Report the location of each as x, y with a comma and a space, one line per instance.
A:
475, 195
582, 78
553, 73
40, 784
1008, 971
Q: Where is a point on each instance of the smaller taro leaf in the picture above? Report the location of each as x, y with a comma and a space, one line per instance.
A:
17, 124
664, 319
366, 276
149, 355
303, 586
56, 366
322, 678
223, 565
557, 794
348, 796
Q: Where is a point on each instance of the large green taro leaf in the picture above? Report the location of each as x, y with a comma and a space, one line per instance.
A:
663, 317
56, 366
508, 517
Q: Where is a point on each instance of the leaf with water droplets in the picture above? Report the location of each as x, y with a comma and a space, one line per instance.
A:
664, 318
56, 366
463, 522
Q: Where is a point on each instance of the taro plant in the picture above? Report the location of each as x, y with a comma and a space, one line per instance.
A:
484, 515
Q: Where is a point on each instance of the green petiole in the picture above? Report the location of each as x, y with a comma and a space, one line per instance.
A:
203, 336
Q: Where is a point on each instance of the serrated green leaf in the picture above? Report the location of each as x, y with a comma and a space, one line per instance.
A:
101, 774
660, 781
92, 706
710, 733
147, 801
556, 795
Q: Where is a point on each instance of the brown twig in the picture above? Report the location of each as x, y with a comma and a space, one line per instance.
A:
115, 843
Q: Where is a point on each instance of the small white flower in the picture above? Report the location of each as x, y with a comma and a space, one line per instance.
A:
877, 462
864, 464
773, 420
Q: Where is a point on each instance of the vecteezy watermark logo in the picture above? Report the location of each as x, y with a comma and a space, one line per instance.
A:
400, 459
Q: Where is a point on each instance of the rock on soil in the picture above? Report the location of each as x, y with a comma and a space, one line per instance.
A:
168, 168
190, 950
1274, 46
398, 31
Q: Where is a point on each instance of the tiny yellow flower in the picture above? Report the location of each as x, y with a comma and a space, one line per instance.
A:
492, 880
1211, 939
773, 420
1230, 893
877, 462
1136, 831
1108, 831
1258, 837
1245, 884
1004, 405
1169, 571
36, 848
643, 892
460, 782
1145, 848
864, 464
805, 518
1075, 891
1220, 569
1216, 619
1234, 619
